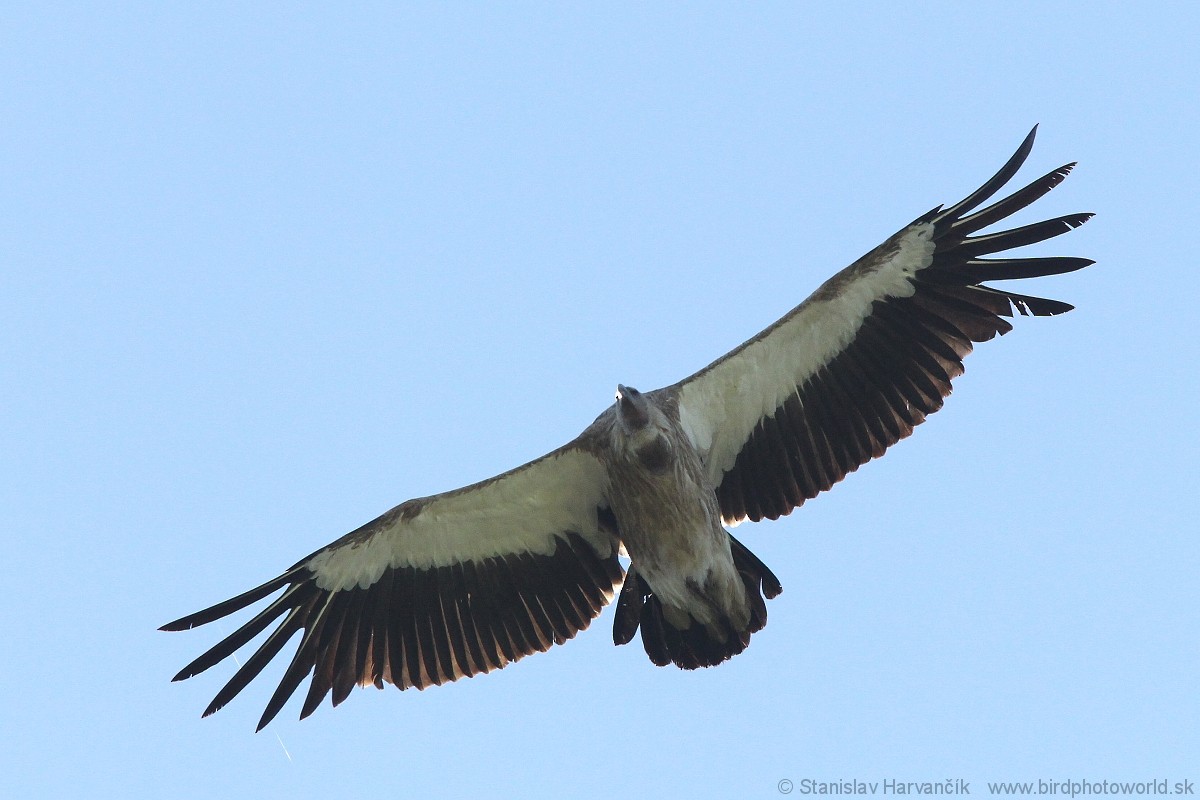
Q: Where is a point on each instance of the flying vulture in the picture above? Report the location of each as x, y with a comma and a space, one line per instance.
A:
452, 585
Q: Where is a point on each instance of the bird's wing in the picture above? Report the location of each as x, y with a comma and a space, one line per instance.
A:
869, 355
436, 589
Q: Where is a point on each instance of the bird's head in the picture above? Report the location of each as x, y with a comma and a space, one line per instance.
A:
642, 430
633, 410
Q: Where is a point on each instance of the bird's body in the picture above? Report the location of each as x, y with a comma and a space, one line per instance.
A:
666, 509
467, 581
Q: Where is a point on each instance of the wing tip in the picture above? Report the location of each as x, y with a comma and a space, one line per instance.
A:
1026, 145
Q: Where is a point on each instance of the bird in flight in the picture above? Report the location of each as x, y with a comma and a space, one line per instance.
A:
455, 584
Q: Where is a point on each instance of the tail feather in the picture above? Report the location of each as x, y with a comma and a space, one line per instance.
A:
696, 645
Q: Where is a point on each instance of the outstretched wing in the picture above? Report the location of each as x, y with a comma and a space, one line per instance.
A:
858, 365
436, 589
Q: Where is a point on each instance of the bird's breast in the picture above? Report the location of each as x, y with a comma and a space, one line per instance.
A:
665, 507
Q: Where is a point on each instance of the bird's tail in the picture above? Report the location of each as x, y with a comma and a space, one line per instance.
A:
696, 645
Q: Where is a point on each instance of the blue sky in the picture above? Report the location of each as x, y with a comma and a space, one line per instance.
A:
270, 270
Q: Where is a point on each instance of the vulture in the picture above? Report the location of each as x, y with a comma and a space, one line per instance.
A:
468, 581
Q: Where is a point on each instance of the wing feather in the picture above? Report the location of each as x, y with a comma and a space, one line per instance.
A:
873, 352
435, 590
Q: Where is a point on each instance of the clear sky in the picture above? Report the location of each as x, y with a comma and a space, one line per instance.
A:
269, 270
